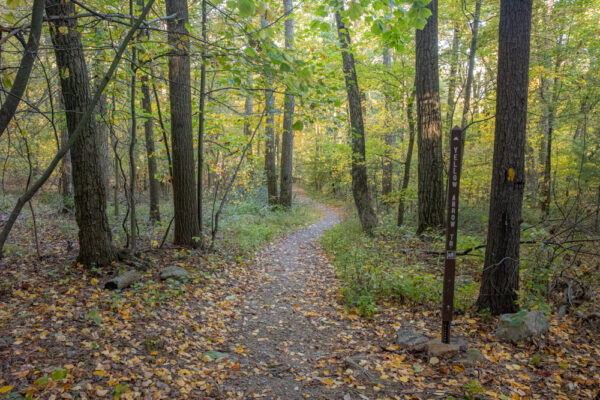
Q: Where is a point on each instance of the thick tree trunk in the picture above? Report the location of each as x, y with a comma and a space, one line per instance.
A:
411, 144
451, 105
184, 185
429, 125
500, 280
270, 152
360, 187
287, 135
95, 243
388, 139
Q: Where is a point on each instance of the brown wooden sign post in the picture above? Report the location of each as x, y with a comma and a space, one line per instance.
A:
451, 231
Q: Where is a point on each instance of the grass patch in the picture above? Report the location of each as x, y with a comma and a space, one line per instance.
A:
389, 265
250, 225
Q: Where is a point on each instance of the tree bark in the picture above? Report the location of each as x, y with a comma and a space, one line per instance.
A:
95, 243
411, 144
184, 185
9, 107
429, 125
270, 152
201, 118
287, 135
360, 187
500, 280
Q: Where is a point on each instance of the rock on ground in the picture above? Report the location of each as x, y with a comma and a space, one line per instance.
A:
174, 272
521, 325
411, 340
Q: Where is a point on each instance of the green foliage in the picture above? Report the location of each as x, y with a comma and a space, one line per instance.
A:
373, 267
248, 225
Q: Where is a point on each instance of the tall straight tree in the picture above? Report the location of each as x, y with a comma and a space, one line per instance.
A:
360, 187
471, 67
182, 140
95, 242
153, 183
429, 125
451, 105
287, 136
201, 119
500, 280
270, 167
388, 139
409, 152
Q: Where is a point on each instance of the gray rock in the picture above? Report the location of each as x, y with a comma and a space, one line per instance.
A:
411, 340
442, 350
521, 325
174, 272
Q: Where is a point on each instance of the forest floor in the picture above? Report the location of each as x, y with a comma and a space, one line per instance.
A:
273, 326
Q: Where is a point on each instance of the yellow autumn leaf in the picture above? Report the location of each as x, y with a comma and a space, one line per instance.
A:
6, 389
63, 30
511, 174
99, 373
94, 281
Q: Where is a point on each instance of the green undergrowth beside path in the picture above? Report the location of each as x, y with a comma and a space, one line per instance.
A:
392, 265
250, 225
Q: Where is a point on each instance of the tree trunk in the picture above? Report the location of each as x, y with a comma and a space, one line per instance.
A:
287, 135
470, 71
500, 280
388, 139
95, 243
101, 115
409, 152
153, 184
132, 143
9, 107
360, 187
201, 118
66, 172
184, 185
270, 167
452, 80
248, 111
429, 125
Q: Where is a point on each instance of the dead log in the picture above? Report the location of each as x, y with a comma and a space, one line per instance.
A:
123, 281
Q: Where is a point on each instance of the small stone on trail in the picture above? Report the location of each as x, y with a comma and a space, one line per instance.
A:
521, 325
174, 272
411, 340
444, 350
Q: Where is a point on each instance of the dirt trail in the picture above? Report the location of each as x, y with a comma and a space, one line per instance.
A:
290, 329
